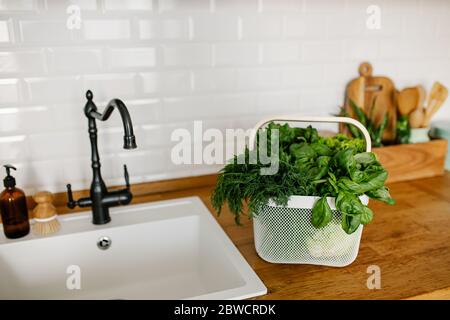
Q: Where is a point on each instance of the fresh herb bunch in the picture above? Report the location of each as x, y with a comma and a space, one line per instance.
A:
375, 132
309, 165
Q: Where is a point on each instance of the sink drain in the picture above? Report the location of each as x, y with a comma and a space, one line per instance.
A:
104, 243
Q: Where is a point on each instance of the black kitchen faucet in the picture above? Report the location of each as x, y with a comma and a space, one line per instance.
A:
100, 198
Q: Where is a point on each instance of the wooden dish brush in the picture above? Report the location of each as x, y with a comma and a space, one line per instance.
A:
45, 215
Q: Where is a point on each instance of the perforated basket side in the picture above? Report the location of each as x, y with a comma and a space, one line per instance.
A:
286, 235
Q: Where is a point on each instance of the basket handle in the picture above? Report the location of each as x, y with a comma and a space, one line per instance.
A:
295, 118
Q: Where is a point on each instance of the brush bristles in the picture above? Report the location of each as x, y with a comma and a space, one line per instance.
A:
45, 228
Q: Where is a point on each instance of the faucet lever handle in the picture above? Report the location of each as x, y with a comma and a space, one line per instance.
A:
70, 203
126, 175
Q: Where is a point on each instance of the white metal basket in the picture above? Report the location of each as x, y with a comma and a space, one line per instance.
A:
285, 234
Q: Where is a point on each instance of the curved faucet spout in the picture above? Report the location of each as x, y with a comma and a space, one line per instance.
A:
91, 111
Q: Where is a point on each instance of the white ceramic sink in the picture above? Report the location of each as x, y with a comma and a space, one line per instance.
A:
164, 250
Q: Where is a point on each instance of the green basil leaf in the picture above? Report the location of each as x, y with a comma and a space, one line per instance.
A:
350, 223
357, 175
365, 158
381, 194
372, 182
303, 151
321, 213
366, 215
353, 211
344, 159
323, 161
321, 149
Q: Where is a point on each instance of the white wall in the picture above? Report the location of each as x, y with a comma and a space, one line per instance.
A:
227, 62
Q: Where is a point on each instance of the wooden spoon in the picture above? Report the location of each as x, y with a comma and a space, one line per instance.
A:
416, 118
408, 100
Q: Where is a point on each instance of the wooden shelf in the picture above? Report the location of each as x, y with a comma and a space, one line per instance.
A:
413, 161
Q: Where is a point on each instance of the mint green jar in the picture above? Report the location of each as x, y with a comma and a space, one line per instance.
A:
441, 129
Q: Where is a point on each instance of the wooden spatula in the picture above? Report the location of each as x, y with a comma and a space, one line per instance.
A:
436, 99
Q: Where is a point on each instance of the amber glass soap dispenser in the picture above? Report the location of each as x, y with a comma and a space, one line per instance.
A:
13, 208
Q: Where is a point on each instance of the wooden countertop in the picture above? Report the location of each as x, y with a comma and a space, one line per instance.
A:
410, 242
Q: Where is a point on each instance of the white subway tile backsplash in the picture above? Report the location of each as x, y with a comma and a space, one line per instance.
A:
216, 27
4, 31
278, 103
170, 6
347, 25
38, 31
443, 27
119, 58
262, 27
226, 62
400, 6
326, 6
259, 79
13, 148
236, 54
422, 26
361, 49
391, 25
321, 101
303, 76
17, 5
151, 136
338, 74
186, 108
360, 6
9, 91
207, 107
151, 82
69, 116
143, 163
285, 52
75, 60
330, 51
108, 86
110, 139
229, 105
78, 172
59, 89
187, 55
176, 82
165, 28
236, 5
106, 29
169, 82
22, 62
410, 49
48, 174
25, 119
47, 146
148, 111
305, 26
214, 80
128, 5
294, 26
60, 6
281, 6
433, 8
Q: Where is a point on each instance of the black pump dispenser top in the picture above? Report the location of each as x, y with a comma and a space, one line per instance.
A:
9, 181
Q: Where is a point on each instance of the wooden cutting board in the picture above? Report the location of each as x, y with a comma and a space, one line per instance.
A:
364, 89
